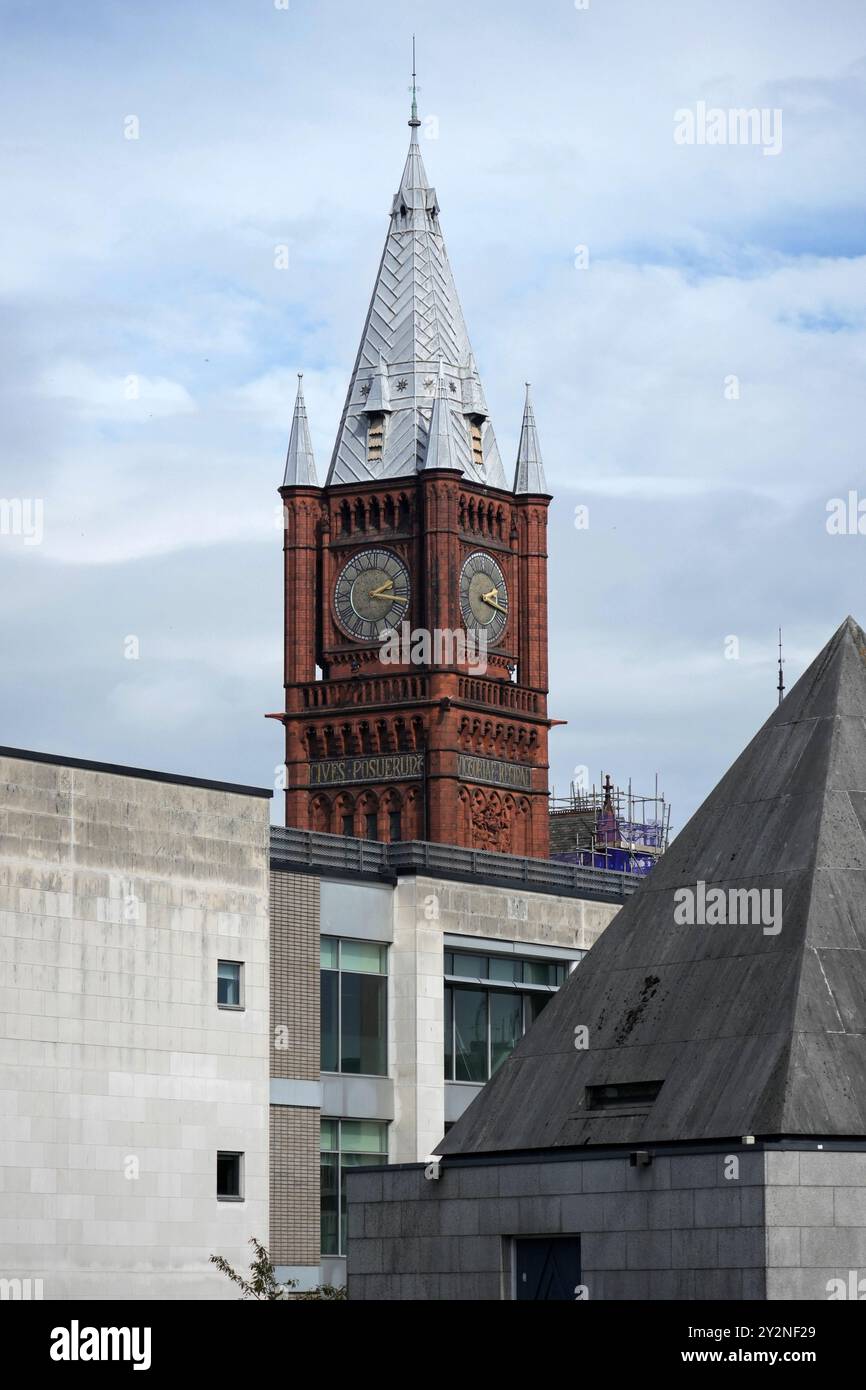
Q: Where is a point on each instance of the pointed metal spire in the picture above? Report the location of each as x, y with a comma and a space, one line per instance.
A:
378, 401
441, 444
529, 477
416, 322
300, 463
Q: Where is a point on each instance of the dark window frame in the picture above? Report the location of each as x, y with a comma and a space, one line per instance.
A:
486, 984
328, 972
238, 1156
232, 1008
372, 1160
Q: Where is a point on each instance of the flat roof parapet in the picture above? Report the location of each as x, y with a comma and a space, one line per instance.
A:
116, 769
312, 852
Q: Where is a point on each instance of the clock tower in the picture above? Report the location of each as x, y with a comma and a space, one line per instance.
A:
416, 581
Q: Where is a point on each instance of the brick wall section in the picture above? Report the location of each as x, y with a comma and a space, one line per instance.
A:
676, 1230
295, 975
295, 1001
294, 1235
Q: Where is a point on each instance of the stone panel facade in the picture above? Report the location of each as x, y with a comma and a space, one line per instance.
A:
121, 1078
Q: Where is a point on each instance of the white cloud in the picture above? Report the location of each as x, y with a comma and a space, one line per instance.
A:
126, 399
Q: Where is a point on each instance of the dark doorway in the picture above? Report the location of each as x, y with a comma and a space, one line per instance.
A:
547, 1270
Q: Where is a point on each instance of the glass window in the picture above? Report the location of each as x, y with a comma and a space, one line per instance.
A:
330, 990
364, 957
472, 967
349, 825
395, 827
372, 826
229, 1177
362, 1024
449, 1033
229, 984
354, 1007
329, 1178
470, 1035
504, 968
538, 972
345, 1144
506, 1027
330, 953
483, 1025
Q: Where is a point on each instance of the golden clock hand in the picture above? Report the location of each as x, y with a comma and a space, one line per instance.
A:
492, 600
382, 592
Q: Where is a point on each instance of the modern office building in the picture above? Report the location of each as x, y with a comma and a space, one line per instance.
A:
401, 978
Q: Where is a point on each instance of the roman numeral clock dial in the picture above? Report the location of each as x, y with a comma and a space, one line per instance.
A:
371, 596
484, 597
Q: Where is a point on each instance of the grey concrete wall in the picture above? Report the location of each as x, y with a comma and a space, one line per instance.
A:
816, 1225
687, 1227
120, 1078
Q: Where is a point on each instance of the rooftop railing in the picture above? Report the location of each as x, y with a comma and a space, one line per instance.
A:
313, 851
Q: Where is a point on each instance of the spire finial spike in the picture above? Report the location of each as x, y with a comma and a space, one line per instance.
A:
781, 670
414, 121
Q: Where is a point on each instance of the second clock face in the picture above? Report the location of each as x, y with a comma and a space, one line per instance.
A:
372, 594
484, 596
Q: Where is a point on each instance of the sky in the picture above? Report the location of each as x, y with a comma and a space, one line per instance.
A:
692, 318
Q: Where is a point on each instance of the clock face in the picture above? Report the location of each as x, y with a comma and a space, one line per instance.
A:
372, 594
484, 596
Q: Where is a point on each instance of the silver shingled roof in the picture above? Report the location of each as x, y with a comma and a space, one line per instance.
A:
414, 324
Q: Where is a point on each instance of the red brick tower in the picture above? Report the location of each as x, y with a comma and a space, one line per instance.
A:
416, 581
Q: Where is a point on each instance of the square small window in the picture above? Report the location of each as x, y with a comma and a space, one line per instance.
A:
230, 1177
229, 982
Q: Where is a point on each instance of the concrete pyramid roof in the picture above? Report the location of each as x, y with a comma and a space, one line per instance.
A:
751, 1029
414, 323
